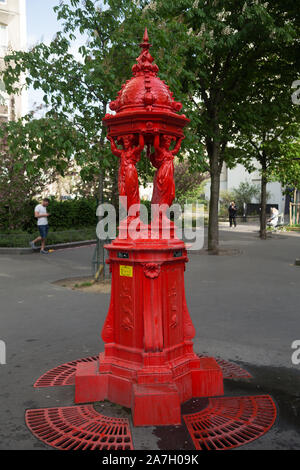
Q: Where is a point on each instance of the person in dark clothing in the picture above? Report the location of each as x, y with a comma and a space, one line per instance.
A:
232, 211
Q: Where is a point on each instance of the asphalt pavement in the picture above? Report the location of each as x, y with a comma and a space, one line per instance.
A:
245, 306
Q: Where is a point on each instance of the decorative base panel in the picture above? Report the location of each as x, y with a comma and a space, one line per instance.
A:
64, 374
153, 400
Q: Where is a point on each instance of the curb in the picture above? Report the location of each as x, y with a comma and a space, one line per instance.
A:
59, 246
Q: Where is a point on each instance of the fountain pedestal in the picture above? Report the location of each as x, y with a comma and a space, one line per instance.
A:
148, 364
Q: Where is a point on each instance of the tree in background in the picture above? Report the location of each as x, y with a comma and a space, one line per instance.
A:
210, 53
76, 90
226, 196
187, 182
89, 188
286, 168
269, 125
244, 194
220, 49
17, 188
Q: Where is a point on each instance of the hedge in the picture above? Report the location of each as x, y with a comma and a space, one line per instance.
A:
65, 215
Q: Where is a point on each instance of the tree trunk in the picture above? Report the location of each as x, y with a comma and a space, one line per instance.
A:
213, 223
99, 253
114, 191
99, 195
12, 109
100, 192
263, 208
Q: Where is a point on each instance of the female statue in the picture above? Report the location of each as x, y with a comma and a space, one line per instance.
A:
163, 160
128, 183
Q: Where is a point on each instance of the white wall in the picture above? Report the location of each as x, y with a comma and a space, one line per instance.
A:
231, 179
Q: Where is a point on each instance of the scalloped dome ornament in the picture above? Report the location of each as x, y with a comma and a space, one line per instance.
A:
145, 89
145, 101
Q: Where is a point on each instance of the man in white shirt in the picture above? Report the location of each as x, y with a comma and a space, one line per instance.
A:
40, 212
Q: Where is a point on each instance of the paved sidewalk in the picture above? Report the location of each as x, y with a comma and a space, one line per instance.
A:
242, 227
245, 308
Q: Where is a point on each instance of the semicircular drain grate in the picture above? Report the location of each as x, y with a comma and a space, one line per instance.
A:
63, 374
231, 370
231, 422
79, 428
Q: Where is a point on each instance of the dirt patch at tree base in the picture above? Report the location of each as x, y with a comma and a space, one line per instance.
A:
85, 284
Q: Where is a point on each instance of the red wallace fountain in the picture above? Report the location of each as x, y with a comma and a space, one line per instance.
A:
148, 364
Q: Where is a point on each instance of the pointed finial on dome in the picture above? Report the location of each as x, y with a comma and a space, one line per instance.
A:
145, 60
146, 37
145, 44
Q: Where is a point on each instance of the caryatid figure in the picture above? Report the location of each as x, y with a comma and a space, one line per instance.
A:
163, 160
128, 183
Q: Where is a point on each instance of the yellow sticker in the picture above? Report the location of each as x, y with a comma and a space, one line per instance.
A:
126, 271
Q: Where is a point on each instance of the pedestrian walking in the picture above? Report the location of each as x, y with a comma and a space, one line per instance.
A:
232, 211
40, 212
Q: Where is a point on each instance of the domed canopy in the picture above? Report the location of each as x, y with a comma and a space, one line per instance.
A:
145, 103
145, 90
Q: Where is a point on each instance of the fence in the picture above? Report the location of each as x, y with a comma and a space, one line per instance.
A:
294, 213
99, 267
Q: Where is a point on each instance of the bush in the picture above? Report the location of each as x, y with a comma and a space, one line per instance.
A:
72, 214
244, 195
226, 197
65, 215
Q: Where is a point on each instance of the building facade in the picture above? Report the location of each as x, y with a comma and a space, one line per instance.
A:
13, 36
231, 179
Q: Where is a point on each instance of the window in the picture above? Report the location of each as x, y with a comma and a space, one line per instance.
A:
3, 35
3, 101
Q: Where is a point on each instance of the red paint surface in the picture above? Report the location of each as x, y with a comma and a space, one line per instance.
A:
148, 363
79, 428
231, 422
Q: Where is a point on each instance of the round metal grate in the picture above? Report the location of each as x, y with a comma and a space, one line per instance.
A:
62, 375
79, 428
231, 422
231, 370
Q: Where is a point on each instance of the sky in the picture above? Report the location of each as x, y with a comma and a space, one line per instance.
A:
41, 20
41, 26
